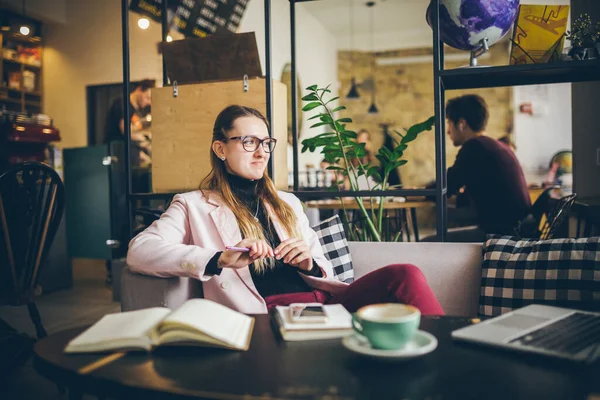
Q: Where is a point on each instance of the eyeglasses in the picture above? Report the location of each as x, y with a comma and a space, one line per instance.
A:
251, 143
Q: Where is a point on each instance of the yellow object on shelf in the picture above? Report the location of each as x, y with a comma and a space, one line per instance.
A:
539, 34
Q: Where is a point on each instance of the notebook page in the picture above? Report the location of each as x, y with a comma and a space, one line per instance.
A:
214, 320
119, 326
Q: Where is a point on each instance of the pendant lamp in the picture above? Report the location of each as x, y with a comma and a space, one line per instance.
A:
353, 92
373, 108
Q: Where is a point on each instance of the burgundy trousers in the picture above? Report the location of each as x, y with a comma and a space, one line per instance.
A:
397, 283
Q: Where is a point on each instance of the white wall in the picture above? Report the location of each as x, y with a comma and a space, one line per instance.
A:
541, 135
390, 40
45, 10
316, 54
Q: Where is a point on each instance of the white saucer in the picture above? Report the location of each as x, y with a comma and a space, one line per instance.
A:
422, 343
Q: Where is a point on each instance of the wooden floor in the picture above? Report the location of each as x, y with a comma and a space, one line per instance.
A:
84, 304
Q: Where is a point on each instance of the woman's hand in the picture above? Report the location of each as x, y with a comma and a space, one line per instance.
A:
295, 252
237, 259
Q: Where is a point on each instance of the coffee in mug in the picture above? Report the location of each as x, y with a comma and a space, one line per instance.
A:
388, 326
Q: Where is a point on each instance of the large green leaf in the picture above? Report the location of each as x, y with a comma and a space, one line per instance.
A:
400, 147
312, 88
311, 97
319, 124
311, 106
400, 163
325, 135
416, 129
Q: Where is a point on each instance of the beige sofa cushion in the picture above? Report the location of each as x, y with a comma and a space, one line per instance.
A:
453, 270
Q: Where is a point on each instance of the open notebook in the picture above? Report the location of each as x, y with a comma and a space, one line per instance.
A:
198, 322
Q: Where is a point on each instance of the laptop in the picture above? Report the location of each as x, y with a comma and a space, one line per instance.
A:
552, 331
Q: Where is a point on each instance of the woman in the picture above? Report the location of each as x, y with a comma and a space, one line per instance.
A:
237, 205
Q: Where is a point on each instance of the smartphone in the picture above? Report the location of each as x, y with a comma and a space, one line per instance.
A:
307, 313
240, 249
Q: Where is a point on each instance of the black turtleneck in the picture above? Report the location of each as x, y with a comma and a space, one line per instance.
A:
283, 278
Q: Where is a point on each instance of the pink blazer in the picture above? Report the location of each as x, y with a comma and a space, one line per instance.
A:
194, 228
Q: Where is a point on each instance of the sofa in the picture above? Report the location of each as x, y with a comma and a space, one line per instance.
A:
453, 271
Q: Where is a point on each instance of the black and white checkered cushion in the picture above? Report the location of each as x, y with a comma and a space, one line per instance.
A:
559, 272
333, 240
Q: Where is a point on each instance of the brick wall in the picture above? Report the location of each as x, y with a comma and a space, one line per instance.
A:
404, 96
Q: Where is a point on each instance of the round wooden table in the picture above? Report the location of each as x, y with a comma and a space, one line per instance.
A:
273, 369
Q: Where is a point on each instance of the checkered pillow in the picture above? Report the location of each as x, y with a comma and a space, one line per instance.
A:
559, 272
333, 240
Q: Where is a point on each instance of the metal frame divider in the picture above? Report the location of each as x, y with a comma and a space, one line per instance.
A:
439, 192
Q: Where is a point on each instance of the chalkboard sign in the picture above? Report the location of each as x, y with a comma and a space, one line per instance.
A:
195, 18
151, 8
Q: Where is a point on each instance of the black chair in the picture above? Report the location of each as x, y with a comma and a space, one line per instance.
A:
534, 226
557, 216
31, 207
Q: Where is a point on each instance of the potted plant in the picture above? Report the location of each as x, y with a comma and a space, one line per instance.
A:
585, 38
344, 154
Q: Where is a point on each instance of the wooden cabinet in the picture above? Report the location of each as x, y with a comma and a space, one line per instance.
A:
20, 64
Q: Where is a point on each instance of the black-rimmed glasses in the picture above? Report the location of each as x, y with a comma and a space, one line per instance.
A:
251, 143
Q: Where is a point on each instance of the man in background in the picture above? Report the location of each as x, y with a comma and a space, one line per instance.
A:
487, 168
140, 101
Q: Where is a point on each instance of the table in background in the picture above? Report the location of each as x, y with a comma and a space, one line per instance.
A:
410, 204
273, 369
535, 192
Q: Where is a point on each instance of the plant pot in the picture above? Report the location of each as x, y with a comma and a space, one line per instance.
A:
585, 53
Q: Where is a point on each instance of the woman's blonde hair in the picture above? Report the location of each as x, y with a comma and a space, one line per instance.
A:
217, 181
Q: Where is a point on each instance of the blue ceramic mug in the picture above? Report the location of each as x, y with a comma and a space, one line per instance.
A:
387, 326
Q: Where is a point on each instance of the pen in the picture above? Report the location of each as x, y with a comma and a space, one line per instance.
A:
241, 249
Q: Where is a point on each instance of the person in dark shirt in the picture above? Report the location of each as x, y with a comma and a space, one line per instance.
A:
140, 101
487, 168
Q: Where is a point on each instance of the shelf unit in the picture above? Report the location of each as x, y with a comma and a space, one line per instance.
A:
19, 99
465, 78
516, 75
